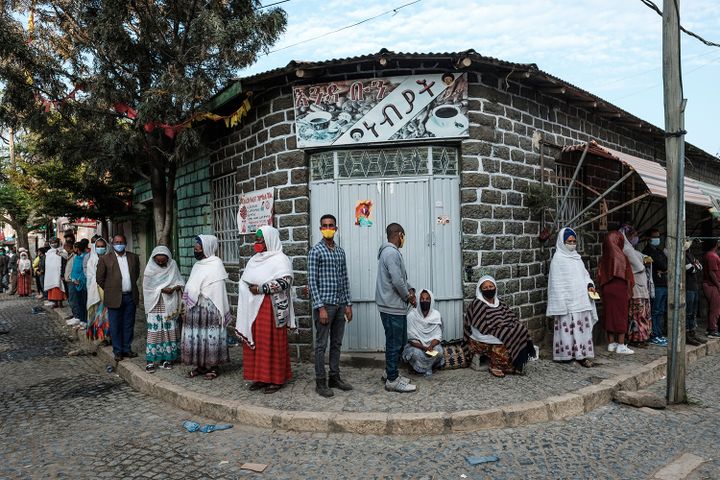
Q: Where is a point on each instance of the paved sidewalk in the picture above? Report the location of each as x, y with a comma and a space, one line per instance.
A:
453, 400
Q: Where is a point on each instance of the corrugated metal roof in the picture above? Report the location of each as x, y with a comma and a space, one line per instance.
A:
652, 173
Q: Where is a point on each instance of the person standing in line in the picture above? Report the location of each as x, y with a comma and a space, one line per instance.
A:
393, 294
78, 282
711, 287
53, 282
659, 302
203, 342
331, 306
266, 312
12, 270
36, 272
616, 279
693, 269
639, 320
67, 262
162, 295
3, 270
24, 282
98, 323
117, 275
569, 302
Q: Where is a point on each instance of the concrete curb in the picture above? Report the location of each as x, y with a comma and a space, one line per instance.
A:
553, 408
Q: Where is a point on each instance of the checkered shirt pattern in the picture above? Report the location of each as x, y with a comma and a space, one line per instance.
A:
327, 276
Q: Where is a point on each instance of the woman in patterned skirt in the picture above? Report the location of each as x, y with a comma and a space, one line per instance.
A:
97, 312
569, 302
639, 319
24, 269
204, 335
265, 312
162, 287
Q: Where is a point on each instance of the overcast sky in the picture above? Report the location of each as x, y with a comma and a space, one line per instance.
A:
611, 48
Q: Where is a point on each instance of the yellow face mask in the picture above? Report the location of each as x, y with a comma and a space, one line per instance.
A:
402, 240
328, 233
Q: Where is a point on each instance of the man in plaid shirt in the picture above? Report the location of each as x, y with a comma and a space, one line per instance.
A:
330, 296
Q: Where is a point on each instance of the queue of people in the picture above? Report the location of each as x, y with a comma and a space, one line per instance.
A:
187, 322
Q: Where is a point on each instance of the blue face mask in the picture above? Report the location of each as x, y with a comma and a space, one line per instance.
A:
655, 242
119, 247
100, 250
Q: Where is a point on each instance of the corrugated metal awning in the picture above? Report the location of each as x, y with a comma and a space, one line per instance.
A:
653, 174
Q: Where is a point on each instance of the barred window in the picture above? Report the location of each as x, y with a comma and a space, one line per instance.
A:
575, 199
224, 212
384, 162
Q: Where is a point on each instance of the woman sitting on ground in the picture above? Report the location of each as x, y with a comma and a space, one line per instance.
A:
493, 330
424, 332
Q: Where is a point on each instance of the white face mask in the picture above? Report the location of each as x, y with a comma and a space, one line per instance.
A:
571, 247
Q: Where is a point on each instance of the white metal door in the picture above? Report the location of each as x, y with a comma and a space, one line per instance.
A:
429, 210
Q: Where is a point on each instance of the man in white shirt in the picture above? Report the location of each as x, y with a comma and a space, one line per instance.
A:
117, 275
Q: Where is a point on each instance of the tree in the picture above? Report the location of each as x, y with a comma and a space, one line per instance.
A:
131, 72
17, 205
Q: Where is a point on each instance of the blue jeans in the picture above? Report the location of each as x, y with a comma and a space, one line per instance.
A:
122, 324
395, 339
333, 331
692, 300
659, 307
78, 303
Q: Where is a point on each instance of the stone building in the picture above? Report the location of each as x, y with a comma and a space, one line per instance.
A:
472, 155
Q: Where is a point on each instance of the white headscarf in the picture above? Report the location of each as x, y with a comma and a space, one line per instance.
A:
93, 292
260, 269
24, 263
156, 278
424, 328
207, 278
568, 282
478, 293
53, 269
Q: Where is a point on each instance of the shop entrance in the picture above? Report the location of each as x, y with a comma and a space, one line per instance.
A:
419, 189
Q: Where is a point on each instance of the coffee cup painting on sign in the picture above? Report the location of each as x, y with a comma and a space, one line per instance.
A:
447, 121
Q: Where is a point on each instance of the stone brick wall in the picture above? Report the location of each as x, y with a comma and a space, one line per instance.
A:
498, 163
263, 153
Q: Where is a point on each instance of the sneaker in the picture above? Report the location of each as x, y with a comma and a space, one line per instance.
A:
383, 377
401, 385
714, 334
658, 342
612, 347
72, 321
622, 349
49, 304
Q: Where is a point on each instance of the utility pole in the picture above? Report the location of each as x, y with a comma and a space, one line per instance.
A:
675, 158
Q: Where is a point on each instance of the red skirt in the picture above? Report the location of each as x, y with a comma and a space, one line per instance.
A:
56, 295
269, 362
616, 304
24, 285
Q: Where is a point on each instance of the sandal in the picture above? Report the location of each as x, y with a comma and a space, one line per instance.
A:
150, 368
497, 372
586, 362
272, 388
166, 365
196, 372
211, 375
257, 386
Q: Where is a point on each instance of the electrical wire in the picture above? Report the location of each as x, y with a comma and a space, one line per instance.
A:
657, 10
393, 11
273, 4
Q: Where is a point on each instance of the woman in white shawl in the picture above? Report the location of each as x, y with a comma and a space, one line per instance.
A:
162, 287
639, 318
24, 269
569, 302
204, 335
265, 312
97, 312
54, 285
424, 333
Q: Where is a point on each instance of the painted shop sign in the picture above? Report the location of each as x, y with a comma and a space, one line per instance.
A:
352, 112
256, 210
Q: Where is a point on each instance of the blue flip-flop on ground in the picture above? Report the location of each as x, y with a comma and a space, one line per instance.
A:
191, 426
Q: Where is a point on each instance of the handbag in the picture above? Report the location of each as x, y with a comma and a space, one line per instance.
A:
454, 354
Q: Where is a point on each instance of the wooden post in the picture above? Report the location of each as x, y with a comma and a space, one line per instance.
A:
675, 158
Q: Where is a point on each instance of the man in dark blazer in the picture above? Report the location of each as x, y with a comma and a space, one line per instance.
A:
117, 274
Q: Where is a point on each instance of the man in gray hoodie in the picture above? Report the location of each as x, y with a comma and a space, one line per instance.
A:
392, 296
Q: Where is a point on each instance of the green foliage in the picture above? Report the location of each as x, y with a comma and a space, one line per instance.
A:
539, 198
164, 59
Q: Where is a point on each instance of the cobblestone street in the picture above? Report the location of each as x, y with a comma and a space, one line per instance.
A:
65, 417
